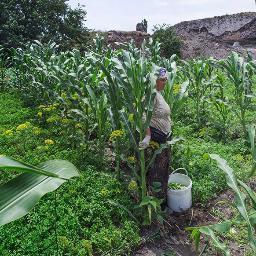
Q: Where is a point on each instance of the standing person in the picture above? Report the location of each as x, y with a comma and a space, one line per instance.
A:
158, 131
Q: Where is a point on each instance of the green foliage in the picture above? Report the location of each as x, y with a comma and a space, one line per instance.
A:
86, 221
170, 42
89, 217
24, 21
207, 179
21, 193
243, 208
239, 73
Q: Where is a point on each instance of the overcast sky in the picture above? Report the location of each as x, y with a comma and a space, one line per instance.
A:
125, 14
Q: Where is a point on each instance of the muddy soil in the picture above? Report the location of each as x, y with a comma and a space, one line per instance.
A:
171, 238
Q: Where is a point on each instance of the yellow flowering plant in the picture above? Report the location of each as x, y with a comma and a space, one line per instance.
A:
116, 134
133, 186
131, 159
24, 126
8, 133
49, 142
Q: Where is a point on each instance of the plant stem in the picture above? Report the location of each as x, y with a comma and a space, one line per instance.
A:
55, 223
143, 174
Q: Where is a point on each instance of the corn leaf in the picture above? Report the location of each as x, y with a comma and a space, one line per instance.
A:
19, 195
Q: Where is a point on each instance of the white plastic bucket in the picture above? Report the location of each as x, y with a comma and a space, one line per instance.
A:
179, 200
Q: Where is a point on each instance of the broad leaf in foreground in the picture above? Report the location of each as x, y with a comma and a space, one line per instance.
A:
19, 195
239, 196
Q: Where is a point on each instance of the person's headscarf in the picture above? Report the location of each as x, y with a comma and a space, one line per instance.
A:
162, 73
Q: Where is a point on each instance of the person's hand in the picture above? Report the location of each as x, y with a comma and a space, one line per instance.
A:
145, 142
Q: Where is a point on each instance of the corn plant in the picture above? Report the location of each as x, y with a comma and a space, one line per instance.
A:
175, 93
130, 86
220, 102
246, 216
239, 74
251, 132
20, 194
198, 71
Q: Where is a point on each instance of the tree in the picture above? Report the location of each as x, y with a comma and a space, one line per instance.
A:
142, 26
22, 21
145, 25
170, 42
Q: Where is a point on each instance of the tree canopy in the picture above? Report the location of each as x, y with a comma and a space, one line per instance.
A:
22, 21
170, 42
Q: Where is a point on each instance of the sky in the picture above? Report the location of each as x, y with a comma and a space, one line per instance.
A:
123, 15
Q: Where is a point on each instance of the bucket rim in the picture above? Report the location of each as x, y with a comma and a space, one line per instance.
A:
189, 186
179, 174
183, 189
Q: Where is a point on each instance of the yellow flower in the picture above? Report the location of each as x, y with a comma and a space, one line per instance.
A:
40, 114
131, 118
78, 126
87, 246
239, 157
8, 132
65, 121
37, 131
104, 192
52, 119
115, 134
154, 144
49, 142
133, 185
75, 96
23, 126
131, 159
176, 88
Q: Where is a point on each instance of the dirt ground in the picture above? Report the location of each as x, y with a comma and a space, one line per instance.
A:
171, 238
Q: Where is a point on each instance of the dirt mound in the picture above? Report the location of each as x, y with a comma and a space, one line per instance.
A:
218, 36
113, 38
215, 37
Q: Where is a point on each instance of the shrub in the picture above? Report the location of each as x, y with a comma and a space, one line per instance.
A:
170, 42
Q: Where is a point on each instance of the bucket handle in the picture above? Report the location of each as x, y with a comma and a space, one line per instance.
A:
179, 169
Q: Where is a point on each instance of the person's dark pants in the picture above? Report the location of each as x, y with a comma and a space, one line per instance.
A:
159, 170
157, 135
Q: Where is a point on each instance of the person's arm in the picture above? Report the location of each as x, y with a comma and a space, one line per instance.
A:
148, 132
145, 142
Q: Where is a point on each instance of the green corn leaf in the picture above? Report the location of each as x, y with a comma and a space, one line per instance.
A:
19, 195
249, 191
239, 196
8, 163
209, 232
195, 235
